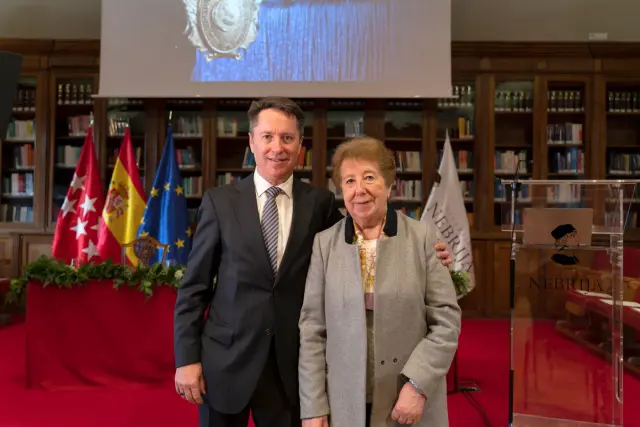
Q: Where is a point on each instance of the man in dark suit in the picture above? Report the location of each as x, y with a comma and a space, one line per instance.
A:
255, 238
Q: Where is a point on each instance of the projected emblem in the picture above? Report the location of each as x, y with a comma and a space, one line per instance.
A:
222, 28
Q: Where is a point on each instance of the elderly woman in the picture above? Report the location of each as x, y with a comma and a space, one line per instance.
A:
380, 321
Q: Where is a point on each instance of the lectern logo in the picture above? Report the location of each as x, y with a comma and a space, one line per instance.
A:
222, 28
566, 239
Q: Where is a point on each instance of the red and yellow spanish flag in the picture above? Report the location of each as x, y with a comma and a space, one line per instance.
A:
123, 208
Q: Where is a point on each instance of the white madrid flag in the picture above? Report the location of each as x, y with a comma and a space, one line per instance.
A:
446, 209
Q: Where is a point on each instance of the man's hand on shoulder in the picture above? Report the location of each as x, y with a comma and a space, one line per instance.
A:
189, 383
442, 253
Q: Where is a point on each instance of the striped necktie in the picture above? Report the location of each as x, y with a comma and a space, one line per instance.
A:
270, 226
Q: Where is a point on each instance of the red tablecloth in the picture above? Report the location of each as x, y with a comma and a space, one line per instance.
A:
94, 335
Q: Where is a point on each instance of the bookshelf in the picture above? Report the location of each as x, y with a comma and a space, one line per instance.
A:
623, 138
72, 109
403, 129
234, 158
456, 117
122, 113
188, 123
566, 140
345, 119
566, 143
18, 153
304, 169
514, 141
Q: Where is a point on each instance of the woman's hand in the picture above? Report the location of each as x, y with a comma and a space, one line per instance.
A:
409, 407
442, 253
316, 422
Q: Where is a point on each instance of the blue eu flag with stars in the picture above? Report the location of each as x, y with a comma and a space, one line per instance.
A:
166, 217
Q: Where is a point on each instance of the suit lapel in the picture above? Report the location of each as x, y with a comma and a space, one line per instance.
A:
246, 208
303, 207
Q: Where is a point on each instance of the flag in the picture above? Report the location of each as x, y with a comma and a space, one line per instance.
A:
166, 217
445, 207
123, 208
76, 235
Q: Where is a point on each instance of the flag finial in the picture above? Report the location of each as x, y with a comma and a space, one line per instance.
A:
91, 119
170, 114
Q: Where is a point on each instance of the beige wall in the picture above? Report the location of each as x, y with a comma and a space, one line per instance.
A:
473, 20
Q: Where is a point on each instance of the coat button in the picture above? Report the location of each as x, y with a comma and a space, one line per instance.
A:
267, 332
395, 360
382, 362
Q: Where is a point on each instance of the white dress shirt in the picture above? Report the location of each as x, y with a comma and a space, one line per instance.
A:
284, 202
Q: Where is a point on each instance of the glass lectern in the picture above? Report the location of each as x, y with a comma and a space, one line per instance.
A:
567, 298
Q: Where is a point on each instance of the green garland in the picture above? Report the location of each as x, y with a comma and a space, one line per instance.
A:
460, 282
51, 271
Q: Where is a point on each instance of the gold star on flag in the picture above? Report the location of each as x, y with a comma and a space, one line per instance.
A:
188, 232
180, 243
144, 234
167, 186
154, 192
179, 190
142, 221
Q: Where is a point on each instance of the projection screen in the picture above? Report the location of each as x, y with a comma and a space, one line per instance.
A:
296, 48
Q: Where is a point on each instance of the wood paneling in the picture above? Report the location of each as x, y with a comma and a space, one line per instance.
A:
33, 246
475, 304
6, 255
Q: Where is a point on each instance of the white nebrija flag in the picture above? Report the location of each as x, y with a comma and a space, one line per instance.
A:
446, 208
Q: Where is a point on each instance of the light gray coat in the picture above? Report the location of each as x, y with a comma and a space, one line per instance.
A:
416, 326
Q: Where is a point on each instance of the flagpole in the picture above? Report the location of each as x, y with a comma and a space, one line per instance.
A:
446, 173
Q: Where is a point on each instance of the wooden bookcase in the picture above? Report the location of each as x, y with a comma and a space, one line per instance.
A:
71, 114
190, 135
456, 118
514, 115
23, 151
18, 158
566, 110
622, 123
120, 115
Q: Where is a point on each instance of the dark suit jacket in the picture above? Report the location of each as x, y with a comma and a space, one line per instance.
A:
248, 306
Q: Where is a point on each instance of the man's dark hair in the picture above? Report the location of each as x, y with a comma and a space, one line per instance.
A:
285, 105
